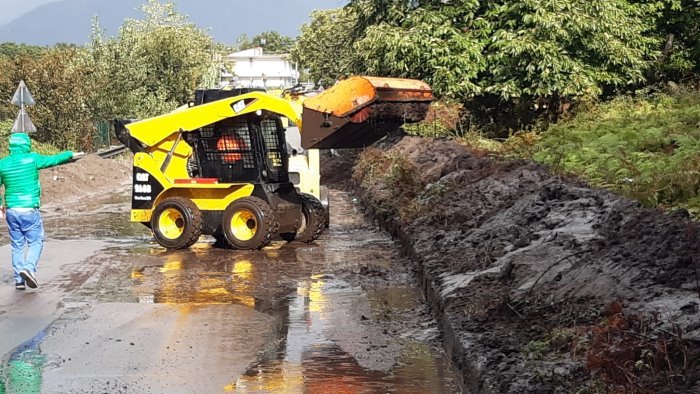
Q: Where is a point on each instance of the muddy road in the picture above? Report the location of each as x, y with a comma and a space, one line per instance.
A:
117, 313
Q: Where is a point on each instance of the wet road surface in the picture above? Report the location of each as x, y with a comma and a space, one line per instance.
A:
117, 313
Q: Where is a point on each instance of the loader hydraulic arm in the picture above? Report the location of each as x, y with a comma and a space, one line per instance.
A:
154, 131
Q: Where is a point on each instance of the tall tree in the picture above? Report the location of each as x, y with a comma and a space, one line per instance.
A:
511, 48
678, 32
516, 56
153, 65
273, 42
56, 82
324, 47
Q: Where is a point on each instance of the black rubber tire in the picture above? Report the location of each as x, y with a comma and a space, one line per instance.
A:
315, 216
264, 218
191, 225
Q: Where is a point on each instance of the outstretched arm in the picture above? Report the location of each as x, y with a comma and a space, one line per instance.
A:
43, 161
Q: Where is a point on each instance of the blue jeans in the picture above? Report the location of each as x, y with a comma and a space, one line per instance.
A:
26, 229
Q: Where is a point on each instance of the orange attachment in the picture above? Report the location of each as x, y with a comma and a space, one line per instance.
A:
358, 111
354, 93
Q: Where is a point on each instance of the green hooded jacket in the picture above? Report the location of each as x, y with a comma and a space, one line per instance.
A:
19, 172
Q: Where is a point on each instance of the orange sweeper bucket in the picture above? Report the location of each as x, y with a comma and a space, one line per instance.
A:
358, 111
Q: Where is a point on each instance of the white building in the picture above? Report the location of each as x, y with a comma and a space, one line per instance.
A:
251, 68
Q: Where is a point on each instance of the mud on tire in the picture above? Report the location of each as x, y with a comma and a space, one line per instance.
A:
314, 218
176, 223
249, 223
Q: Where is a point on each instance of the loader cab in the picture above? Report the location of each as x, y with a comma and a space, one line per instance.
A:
249, 148
244, 149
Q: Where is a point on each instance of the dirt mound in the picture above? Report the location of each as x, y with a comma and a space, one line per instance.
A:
523, 264
83, 178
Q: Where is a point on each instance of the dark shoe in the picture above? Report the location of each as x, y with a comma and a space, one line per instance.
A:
19, 286
29, 279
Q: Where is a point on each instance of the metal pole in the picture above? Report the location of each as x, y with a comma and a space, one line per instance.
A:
21, 108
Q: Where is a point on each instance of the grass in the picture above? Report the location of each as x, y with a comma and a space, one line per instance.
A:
645, 148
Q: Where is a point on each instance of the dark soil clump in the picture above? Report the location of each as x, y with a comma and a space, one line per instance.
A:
542, 284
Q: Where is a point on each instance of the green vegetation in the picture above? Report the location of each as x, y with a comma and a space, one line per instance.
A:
553, 75
43, 148
644, 148
271, 41
9, 50
152, 66
509, 64
324, 46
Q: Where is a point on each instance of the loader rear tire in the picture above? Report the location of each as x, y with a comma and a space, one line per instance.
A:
313, 220
249, 223
176, 223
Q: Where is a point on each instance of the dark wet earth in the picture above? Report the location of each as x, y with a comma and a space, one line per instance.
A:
117, 313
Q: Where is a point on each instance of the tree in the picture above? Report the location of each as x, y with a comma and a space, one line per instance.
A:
153, 65
524, 54
273, 42
431, 43
61, 114
12, 50
511, 48
324, 47
678, 33
244, 42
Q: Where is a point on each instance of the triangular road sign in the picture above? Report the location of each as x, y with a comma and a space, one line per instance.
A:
23, 124
22, 95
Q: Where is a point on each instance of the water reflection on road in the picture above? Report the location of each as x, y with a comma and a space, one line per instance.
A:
344, 313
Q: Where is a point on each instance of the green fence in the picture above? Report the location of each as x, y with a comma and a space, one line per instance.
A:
103, 134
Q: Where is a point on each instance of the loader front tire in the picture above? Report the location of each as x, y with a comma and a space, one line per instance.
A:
313, 220
176, 223
249, 223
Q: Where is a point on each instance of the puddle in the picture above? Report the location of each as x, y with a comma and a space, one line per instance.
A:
22, 371
316, 355
343, 313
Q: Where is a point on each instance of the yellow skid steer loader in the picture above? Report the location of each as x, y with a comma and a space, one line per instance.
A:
221, 167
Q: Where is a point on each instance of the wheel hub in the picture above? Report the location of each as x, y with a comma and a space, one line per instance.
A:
171, 223
244, 225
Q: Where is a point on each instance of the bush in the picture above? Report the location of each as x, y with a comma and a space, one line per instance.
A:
393, 179
647, 148
6, 126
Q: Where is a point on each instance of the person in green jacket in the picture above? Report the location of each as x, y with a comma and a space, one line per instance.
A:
19, 172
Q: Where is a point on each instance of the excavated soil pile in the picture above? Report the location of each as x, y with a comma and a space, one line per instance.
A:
541, 283
84, 178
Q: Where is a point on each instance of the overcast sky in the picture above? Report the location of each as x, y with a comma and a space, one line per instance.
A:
47, 22
11, 9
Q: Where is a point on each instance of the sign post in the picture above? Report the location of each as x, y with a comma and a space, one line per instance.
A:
22, 97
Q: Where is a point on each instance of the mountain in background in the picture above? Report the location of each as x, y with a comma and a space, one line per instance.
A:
69, 21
